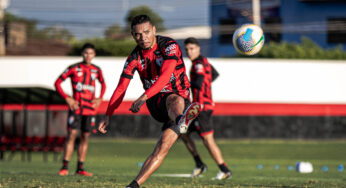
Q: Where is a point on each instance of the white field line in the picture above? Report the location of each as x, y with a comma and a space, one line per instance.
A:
175, 175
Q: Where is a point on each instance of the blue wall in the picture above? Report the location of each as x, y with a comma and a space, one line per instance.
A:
292, 12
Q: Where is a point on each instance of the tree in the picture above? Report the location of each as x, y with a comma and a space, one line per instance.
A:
155, 18
30, 24
114, 31
46, 33
105, 47
57, 33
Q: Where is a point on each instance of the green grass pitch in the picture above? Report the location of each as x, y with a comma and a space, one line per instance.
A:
114, 163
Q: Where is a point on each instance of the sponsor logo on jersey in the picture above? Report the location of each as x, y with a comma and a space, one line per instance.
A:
199, 68
171, 49
80, 87
93, 70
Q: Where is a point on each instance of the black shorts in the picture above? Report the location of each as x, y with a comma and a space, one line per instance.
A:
81, 122
203, 124
157, 108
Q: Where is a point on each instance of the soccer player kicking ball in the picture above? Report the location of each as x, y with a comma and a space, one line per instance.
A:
159, 63
201, 75
82, 106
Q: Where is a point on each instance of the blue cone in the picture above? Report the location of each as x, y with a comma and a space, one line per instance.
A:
341, 168
290, 167
325, 168
259, 167
276, 167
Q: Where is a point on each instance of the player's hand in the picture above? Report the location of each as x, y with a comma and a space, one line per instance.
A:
104, 124
96, 102
137, 104
73, 104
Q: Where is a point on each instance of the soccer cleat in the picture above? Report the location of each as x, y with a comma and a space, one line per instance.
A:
189, 115
222, 175
133, 184
84, 173
199, 170
63, 172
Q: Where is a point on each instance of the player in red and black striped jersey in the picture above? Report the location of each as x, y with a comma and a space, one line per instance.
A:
82, 105
159, 63
202, 75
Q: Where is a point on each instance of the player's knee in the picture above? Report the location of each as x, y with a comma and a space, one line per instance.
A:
208, 138
72, 135
175, 100
85, 136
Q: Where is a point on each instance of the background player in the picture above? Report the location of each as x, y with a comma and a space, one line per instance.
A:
82, 106
201, 75
159, 63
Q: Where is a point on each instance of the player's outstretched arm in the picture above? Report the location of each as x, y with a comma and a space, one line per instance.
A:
114, 103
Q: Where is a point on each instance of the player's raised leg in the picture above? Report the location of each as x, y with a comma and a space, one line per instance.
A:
175, 107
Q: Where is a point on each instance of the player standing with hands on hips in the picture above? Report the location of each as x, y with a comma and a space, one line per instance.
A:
159, 63
82, 106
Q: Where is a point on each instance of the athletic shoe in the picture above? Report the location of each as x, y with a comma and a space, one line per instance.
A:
63, 172
133, 184
189, 115
222, 175
83, 173
199, 170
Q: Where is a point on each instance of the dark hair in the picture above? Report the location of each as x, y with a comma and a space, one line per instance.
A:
191, 40
140, 19
88, 45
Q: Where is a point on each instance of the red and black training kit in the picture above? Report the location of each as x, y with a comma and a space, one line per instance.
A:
83, 85
202, 74
161, 70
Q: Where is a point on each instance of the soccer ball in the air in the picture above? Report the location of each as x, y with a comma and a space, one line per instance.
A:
248, 39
